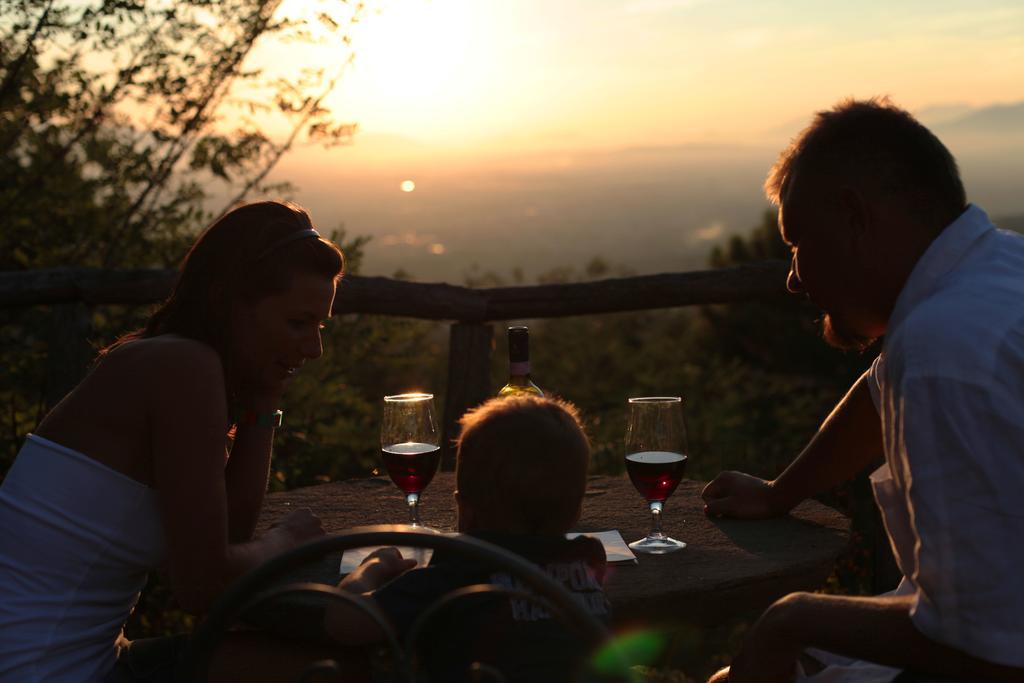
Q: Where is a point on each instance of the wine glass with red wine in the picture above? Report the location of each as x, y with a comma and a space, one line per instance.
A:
655, 461
410, 446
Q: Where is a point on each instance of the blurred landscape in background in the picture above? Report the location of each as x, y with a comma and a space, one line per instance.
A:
647, 209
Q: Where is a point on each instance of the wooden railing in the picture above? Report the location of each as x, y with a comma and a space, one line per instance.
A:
70, 291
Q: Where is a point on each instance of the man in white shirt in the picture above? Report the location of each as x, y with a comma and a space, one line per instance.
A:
884, 241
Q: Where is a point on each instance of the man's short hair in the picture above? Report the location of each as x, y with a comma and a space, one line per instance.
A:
876, 145
521, 464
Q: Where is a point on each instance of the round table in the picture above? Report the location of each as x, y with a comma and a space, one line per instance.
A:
728, 568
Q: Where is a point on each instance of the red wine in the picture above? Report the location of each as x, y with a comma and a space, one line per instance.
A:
655, 474
411, 465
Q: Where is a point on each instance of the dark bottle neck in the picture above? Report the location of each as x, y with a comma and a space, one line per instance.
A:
519, 347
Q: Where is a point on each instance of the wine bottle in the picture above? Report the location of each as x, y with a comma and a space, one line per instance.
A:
519, 381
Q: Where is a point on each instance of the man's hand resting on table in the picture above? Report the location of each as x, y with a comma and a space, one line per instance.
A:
298, 526
734, 494
847, 442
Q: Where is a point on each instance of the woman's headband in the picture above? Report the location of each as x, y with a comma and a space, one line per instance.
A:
288, 239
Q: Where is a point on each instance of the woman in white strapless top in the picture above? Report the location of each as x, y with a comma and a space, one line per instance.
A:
130, 471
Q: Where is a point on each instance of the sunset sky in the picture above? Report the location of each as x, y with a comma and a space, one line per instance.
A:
605, 73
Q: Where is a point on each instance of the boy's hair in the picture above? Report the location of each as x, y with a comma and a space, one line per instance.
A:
521, 464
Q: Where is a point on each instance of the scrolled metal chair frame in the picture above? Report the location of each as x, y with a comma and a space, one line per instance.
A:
252, 589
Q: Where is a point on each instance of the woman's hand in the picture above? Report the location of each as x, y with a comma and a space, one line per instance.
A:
297, 527
734, 494
377, 569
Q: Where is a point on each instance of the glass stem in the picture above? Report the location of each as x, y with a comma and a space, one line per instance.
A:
656, 506
413, 501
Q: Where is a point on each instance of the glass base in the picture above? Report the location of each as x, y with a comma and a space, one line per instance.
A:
423, 528
420, 554
656, 545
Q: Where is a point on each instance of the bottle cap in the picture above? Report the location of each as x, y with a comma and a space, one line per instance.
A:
519, 344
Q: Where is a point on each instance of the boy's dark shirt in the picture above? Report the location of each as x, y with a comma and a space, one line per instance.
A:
516, 636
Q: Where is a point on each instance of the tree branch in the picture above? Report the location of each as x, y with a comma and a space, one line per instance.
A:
212, 94
11, 79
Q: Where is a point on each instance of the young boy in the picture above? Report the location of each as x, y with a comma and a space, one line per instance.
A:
521, 471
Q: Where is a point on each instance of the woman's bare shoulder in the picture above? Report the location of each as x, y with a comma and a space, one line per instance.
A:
109, 411
166, 352
156, 366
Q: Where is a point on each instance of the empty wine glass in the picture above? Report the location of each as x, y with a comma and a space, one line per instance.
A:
655, 461
410, 445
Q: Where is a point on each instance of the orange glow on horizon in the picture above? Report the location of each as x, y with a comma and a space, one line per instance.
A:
510, 77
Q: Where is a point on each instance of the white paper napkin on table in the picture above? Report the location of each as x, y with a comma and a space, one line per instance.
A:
353, 557
615, 549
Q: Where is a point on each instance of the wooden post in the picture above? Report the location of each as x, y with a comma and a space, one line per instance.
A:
68, 349
469, 379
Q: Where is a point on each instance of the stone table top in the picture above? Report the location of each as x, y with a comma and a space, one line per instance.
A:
728, 568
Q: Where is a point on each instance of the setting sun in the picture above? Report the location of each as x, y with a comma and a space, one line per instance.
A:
422, 60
